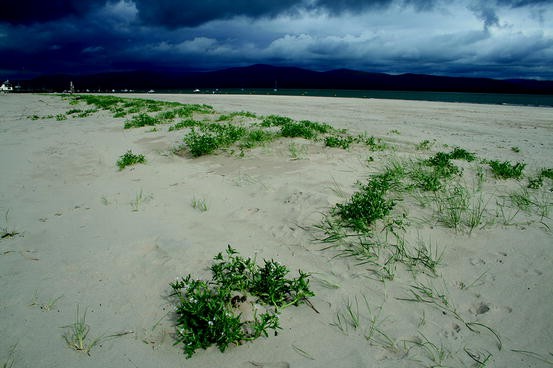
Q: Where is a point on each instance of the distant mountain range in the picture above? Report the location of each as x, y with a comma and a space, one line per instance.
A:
266, 76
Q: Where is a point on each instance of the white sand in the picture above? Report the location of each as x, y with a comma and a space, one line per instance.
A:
79, 238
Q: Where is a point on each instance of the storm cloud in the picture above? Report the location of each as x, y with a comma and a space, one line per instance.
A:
498, 38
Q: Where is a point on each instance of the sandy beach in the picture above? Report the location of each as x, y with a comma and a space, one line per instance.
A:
80, 232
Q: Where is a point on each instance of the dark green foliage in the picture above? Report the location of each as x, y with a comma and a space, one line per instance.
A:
207, 312
367, 205
442, 165
200, 144
232, 115
547, 173
275, 120
338, 141
537, 181
141, 120
506, 170
462, 154
256, 137
130, 158
374, 144
304, 129
212, 137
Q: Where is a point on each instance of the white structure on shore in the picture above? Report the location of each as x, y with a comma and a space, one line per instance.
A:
6, 87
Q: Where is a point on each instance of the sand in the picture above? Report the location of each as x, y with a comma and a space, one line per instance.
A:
111, 241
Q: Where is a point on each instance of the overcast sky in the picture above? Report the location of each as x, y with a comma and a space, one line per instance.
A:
494, 38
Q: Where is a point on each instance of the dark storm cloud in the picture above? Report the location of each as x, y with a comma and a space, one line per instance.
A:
32, 11
467, 37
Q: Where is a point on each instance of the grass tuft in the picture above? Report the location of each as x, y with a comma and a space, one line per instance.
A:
129, 158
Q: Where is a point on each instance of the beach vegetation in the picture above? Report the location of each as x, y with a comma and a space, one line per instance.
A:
199, 204
338, 141
139, 199
367, 205
141, 120
185, 123
129, 158
76, 334
515, 149
507, 170
6, 231
275, 120
373, 144
297, 151
424, 145
232, 115
240, 303
298, 129
256, 137
61, 117
10, 360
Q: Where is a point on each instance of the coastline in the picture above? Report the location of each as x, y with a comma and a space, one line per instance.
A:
80, 238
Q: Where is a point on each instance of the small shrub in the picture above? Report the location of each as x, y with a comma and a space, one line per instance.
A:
424, 145
141, 120
256, 137
130, 158
275, 120
442, 165
213, 312
60, 117
200, 144
506, 170
187, 123
462, 154
547, 173
338, 141
301, 130
367, 205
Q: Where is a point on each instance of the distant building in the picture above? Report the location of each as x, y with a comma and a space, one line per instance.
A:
6, 87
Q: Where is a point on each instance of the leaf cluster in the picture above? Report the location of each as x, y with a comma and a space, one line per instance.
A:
209, 312
507, 170
129, 158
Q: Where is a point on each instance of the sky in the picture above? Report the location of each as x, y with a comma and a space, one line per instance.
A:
473, 38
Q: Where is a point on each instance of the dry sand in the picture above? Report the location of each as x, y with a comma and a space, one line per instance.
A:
80, 240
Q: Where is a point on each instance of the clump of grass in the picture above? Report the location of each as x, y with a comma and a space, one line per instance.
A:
515, 149
256, 137
338, 141
141, 120
240, 303
129, 158
6, 231
372, 143
424, 145
536, 182
186, 123
199, 204
232, 115
76, 335
275, 120
294, 129
10, 360
507, 170
61, 117
367, 205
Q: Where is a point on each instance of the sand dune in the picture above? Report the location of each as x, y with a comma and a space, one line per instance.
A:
87, 234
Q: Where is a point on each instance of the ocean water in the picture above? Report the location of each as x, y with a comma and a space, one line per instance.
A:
480, 98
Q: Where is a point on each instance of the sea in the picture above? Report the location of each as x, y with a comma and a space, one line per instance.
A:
460, 97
